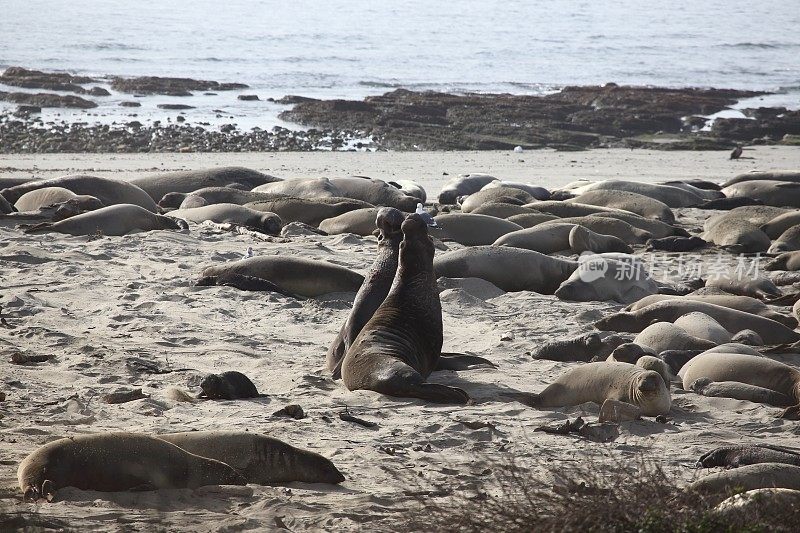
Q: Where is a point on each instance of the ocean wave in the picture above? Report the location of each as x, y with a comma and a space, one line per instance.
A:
765, 46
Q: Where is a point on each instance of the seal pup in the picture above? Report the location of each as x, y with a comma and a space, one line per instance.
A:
598, 382
108, 191
505, 210
667, 194
582, 348
243, 283
540, 193
375, 288
214, 195
737, 236
661, 336
726, 204
115, 462
676, 244
463, 185
775, 227
400, 345
748, 454
114, 220
257, 458
582, 240
229, 385
741, 284
601, 277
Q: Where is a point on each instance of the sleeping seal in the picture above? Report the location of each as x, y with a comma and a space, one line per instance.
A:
261, 221
114, 220
463, 185
157, 185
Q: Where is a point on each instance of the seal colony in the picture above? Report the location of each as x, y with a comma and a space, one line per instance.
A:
386, 319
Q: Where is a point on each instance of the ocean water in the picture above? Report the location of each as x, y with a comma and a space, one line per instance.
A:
350, 49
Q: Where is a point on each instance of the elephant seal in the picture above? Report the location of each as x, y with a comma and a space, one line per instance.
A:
650, 362
376, 192
505, 210
257, 458
666, 194
788, 241
302, 188
539, 193
697, 183
510, 269
662, 336
671, 309
751, 377
470, 229
602, 278
410, 188
748, 454
702, 326
493, 195
373, 291
543, 238
268, 223
741, 284
782, 505
747, 337
598, 382
214, 195
527, 220
716, 487
400, 345
229, 385
775, 227
655, 228
5, 206
243, 283
726, 204
571, 209
609, 226
627, 201
774, 193
629, 352
785, 261
108, 191
676, 244
48, 196
157, 185
305, 277
114, 220
582, 348
114, 462
738, 236
582, 240
759, 175
359, 222
757, 215
740, 303
306, 210
463, 185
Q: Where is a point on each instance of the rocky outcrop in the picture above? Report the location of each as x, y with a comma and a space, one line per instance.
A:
47, 100
170, 86
52, 81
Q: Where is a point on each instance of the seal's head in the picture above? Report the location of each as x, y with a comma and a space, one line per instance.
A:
388, 221
791, 413
271, 224
651, 393
628, 322
628, 353
448, 196
212, 387
172, 200
312, 467
416, 250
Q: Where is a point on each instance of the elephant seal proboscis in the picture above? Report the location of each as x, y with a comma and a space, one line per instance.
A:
597, 382
510, 269
230, 385
745, 377
463, 185
373, 291
748, 454
716, 487
295, 275
108, 191
114, 462
114, 220
259, 459
771, 332
158, 185
400, 345
261, 221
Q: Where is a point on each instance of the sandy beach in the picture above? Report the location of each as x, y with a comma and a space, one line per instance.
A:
99, 306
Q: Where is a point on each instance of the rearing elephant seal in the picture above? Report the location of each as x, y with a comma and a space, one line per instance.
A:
400, 345
598, 382
259, 459
114, 220
113, 462
374, 289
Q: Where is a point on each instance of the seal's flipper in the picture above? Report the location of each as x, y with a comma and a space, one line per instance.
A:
460, 361
434, 392
531, 399
42, 227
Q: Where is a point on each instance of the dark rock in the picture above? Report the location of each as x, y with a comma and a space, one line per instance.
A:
52, 81
175, 106
293, 99
248, 97
47, 100
170, 86
130, 104
98, 91
766, 124
28, 109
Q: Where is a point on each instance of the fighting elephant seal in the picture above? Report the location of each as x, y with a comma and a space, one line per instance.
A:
760, 175
114, 462
598, 382
582, 239
214, 195
376, 192
627, 201
667, 194
463, 185
305, 277
257, 458
738, 236
470, 229
771, 332
510, 269
310, 211
745, 377
157, 185
662, 336
106, 190
774, 193
302, 188
114, 220
785, 261
359, 222
376, 286
496, 194
261, 221
230, 385
400, 345
602, 278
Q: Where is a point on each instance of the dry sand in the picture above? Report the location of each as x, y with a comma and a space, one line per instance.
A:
95, 305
